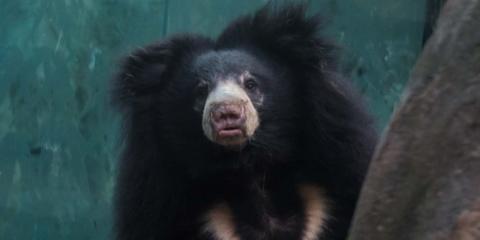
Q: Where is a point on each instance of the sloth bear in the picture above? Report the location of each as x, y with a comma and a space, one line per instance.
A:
252, 135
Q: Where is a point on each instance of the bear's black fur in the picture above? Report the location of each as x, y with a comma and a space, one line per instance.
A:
313, 130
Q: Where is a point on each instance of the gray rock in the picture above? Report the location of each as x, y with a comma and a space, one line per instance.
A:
424, 181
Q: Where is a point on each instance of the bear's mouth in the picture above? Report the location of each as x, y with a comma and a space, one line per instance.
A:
230, 134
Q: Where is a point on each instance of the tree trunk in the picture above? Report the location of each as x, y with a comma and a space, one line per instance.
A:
424, 181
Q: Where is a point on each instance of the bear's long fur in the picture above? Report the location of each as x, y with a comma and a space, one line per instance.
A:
314, 134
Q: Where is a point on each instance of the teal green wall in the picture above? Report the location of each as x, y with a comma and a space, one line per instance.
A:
58, 136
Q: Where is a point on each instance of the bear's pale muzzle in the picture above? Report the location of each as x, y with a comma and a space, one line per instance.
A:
229, 117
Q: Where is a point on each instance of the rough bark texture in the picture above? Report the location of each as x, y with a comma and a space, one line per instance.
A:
424, 182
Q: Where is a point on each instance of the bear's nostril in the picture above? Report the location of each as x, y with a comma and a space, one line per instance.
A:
227, 113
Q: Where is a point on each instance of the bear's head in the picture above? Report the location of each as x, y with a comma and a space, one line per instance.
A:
242, 95
250, 87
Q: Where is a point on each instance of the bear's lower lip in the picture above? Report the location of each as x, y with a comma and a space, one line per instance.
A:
230, 133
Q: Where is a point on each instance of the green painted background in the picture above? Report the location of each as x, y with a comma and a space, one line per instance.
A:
58, 136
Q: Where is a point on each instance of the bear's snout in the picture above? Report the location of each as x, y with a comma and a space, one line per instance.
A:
229, 114
228, 120
229, 117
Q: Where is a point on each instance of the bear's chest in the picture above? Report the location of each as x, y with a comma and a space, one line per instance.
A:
269, 217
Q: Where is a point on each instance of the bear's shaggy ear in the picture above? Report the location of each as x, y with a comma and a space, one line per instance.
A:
147, 71
286, 33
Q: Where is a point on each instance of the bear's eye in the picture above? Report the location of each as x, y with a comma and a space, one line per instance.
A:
250, 84
202, 89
